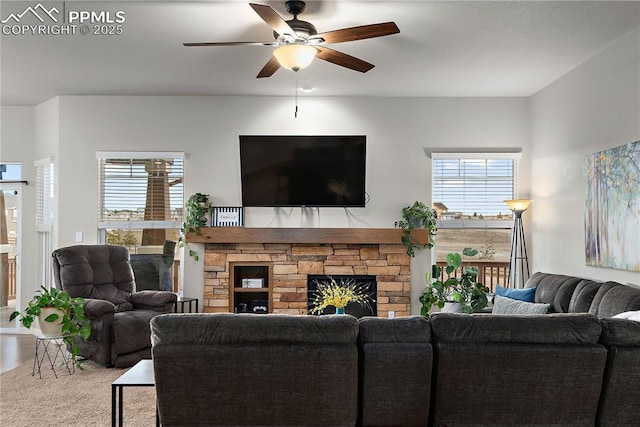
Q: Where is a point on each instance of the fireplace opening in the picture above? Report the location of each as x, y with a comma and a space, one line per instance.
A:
368, 282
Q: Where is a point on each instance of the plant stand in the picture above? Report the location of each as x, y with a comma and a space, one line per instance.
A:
51, 348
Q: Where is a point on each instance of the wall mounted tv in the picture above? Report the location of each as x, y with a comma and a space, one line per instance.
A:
314, 171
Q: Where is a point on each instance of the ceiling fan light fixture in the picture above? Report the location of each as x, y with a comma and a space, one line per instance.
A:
295, 56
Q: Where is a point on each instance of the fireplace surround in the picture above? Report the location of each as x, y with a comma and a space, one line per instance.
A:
293, 254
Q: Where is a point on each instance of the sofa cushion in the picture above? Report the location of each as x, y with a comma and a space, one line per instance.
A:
251, 369
620, 332
95, 271
620, 392
396, 358
403, 329
556, 328
229, 328
527, 294
583, 295
613, 298
493, 370
154, 300
502, 305
131, 330
478, 384
554, 289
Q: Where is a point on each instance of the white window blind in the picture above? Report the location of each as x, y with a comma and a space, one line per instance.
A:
473, 186
44, 194
140, 189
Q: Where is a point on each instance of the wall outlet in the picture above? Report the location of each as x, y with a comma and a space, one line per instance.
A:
391, 314
78, 236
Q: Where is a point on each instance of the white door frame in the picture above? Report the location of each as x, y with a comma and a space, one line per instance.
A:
17, 187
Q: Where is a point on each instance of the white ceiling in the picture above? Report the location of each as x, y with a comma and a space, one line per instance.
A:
444, 48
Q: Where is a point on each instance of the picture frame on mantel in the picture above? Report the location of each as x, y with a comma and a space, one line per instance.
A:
232, 216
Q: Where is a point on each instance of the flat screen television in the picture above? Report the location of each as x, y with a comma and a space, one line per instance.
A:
314, 171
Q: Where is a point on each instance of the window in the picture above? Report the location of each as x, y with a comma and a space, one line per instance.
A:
468, 193
44, 213
141, 198
44, 195
473, 188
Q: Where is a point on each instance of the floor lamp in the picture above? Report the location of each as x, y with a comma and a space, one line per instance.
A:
518, 261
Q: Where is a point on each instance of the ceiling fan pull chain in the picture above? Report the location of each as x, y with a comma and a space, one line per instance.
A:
295, 114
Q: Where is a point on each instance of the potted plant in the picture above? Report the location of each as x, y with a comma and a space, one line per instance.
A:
58, 315
331, 293
413, 217
195, 217
461, 286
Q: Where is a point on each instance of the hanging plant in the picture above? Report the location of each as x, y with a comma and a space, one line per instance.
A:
413, 217
195, 217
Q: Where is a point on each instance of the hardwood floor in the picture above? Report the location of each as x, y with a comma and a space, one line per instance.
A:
15, 349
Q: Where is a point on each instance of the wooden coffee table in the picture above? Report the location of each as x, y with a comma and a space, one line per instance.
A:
140, 375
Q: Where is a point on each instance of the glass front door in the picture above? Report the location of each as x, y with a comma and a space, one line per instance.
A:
10, 209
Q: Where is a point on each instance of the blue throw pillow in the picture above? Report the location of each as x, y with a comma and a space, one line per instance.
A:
527, 295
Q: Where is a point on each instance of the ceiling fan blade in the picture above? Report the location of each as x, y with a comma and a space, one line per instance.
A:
272, 19
269, 68
232, 44
342, 59
359, 33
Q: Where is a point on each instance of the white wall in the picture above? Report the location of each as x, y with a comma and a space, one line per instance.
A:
17, 145
592, 108
207, 129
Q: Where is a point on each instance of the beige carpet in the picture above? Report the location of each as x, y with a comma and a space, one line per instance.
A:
81, 399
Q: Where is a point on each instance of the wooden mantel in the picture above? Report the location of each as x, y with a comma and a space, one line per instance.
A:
376, 236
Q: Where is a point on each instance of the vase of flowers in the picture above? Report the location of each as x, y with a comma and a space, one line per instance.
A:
330, 292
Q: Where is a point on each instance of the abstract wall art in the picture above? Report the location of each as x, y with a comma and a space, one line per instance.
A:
612, 207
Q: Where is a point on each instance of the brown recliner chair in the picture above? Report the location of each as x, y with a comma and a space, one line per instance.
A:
119, 316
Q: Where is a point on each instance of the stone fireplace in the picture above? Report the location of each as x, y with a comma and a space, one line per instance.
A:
290, 261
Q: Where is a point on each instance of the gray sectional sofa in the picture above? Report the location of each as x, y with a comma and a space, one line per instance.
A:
570, 294
572, 368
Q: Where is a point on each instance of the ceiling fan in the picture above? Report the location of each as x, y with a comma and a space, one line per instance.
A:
297, 42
